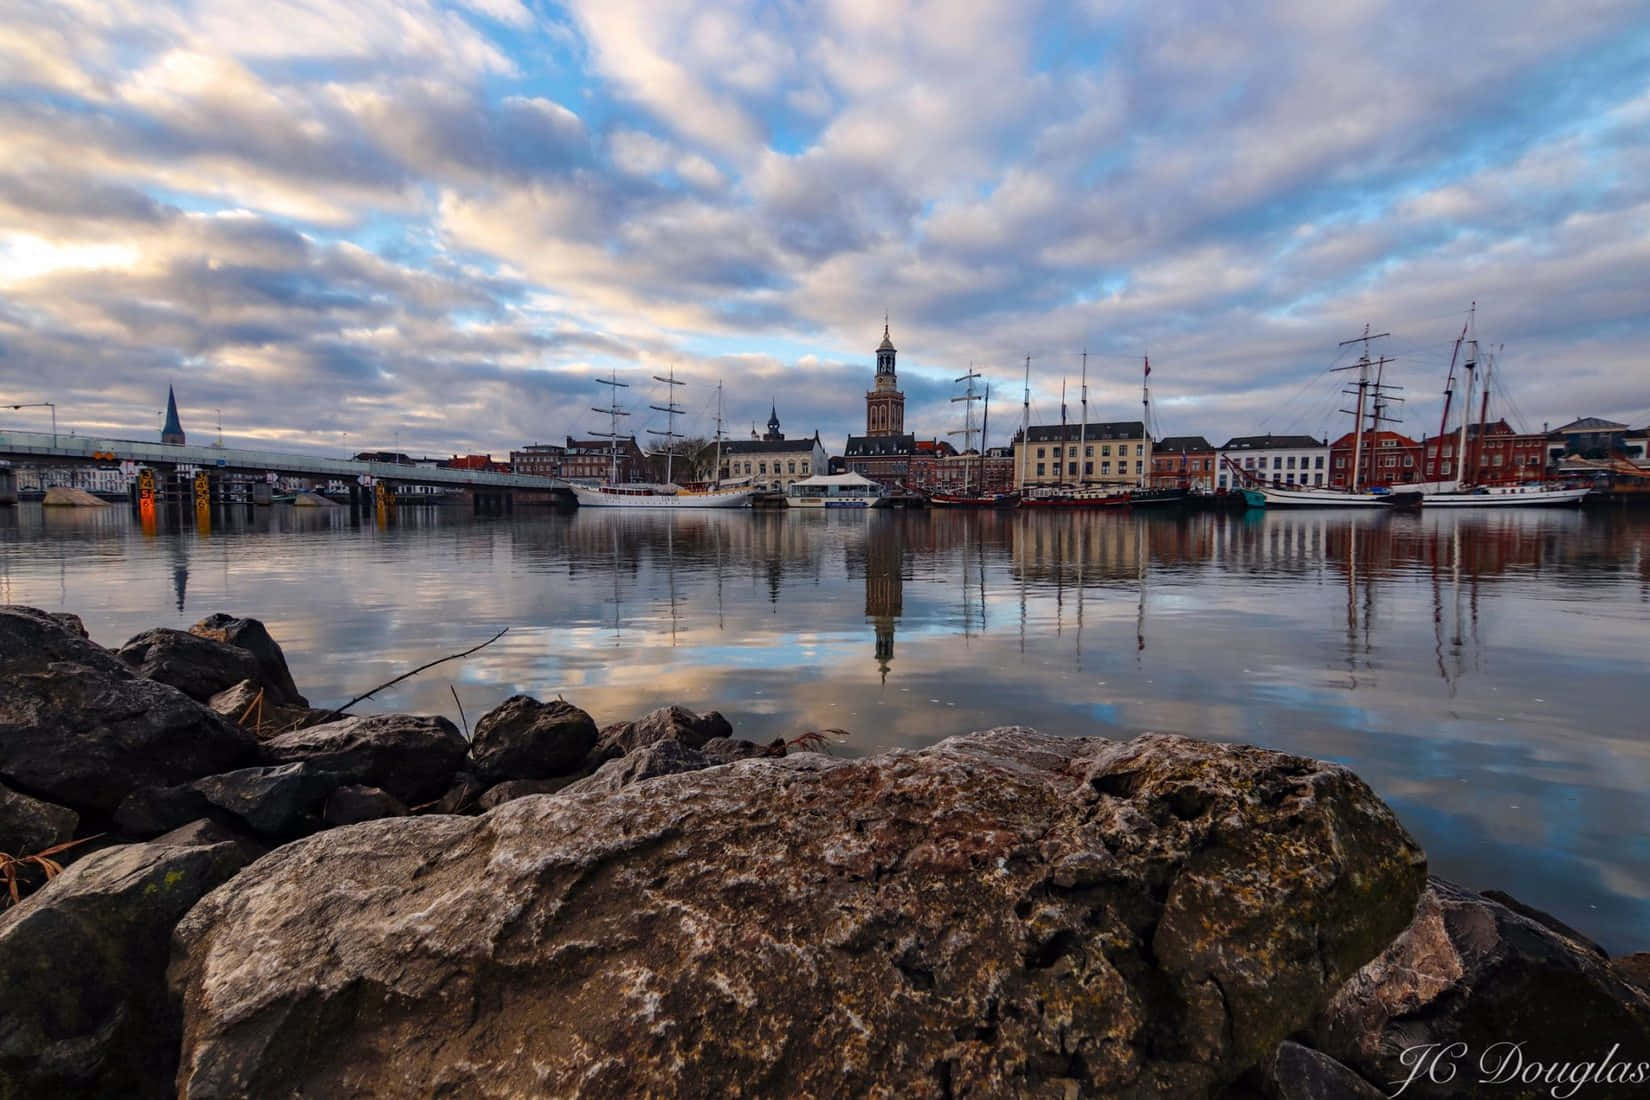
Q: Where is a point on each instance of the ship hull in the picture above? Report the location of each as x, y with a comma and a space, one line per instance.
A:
1321, 498
1511, 497
592, 497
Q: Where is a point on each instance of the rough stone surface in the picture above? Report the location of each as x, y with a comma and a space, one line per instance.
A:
198, 667
266, 719
464, 796
1635, 968
352, 805
512, 789
28, 825
725, 750
77, 728
411, 756
670, 723
1501, 897
150, 811
1301, 1073
280, 801
522, 738
647, 762
85, 1010
1470, 970
252, 636
70, 622
1001, 914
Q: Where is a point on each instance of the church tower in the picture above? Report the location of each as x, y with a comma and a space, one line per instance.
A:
885, 405
172, 432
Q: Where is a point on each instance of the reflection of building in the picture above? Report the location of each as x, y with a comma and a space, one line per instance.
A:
884, 585
1183, 460
1112, 453
773, 461
1275, 459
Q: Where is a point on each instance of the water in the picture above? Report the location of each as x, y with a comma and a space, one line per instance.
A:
1485, 673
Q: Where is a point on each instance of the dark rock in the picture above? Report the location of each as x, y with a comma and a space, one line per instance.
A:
1004, 914
151, 811
206, 831
670, 723
522, 738
1472, 971
464, 796
85, 1010
1635, 968
198, 667
1503, 898
1301, 1073
250, 635
725, 750
512, 789
28, 825
648, 762
352, 805
278, 802
70, 622
77, 728
411, 756
263, 719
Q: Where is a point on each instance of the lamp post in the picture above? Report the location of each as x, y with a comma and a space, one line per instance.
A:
43, 405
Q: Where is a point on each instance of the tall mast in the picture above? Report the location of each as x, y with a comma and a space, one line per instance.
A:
1060, 452
1025, 427
1362, 367
1449, 395
613, 413
1083, 429
1145, 412
670, 409
716, 472
1471, 369
967, 431
1483, 420
985, 420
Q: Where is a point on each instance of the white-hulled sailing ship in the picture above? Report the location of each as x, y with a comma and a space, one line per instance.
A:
667, 494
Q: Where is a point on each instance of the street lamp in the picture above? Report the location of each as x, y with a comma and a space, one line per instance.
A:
43, 405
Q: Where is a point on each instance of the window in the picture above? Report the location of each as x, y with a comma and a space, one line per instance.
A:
1105, 468
1389, 460
1249, 464
1317, 479
761, 467
1409, 462
1291, 462
1319, 462
1039, 467
1222, 481
1039, 455
1277, 462
747, 467
1496, 461
1139, 448
1088, 467
1105, 452
804, 465
1139, 467
1340, 462
1088, 451
1290, 477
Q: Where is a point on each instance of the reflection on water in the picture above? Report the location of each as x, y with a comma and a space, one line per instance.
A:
1484, 672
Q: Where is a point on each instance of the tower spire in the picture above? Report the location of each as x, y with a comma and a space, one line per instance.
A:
172, 431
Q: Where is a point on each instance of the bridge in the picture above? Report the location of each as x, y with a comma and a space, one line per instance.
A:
44, 448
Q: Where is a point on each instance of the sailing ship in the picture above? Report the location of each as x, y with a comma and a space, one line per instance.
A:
971, 497
1082, 495
1356, 495
1466, 491
656, 495
1141, 496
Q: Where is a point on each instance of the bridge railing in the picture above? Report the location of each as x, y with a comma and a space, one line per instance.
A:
85, 448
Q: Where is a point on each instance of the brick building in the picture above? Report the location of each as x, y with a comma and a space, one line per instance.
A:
1389, 458
1495, 455
538, 459
591, 460
1184, 460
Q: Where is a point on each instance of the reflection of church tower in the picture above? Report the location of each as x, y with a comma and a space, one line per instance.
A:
884, 585
885, 405
172, 432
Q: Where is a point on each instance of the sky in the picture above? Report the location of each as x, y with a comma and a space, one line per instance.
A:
432, 224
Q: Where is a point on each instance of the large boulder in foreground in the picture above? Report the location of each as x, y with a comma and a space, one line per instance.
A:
85, 1010
672, 723
1473, 971
522, 738
413, 757
198, 667
251, 635
1001, 914
77, 728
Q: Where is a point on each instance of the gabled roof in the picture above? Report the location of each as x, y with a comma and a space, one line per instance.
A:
1271, 442
877, 446
765, 446
1589, 424
1099, 432
1178, 443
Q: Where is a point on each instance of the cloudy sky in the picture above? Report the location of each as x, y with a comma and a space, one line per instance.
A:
432, 223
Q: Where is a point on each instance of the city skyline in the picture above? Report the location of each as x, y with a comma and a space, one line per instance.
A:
430, 226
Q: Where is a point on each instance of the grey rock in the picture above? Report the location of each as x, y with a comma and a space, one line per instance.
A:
1001, 914
725, 750
1635, 968
522, 738
198, 667
264, 719
85, 1011
1470, 970
254, 638
1501, 897
277, 802
670, 723
70, 622
77, 728
411, 756
150, 811
1296, 1072
29, 825
647, 762
512, 789
352, 805
464, 796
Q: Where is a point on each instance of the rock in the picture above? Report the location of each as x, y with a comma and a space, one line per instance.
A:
150, 811
1501, 897
76, 726
667, 723
28, 825
411, 756
70, 622
86, 1011
725, 750
1301, 1073
647, 762
250, 635
1635, 968
277, 803
1001, 914
522, 738
352, 805
264, 719
463, 796
198, 667
1472, 971
512, 789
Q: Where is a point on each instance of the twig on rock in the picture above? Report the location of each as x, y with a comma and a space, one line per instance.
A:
339, 711
460, 706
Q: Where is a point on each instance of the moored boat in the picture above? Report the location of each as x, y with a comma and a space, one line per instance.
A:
616, 494
848, 490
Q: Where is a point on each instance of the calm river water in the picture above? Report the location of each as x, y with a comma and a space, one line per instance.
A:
1486, 673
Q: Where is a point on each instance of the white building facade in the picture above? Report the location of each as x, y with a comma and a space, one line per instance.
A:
1277, 460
